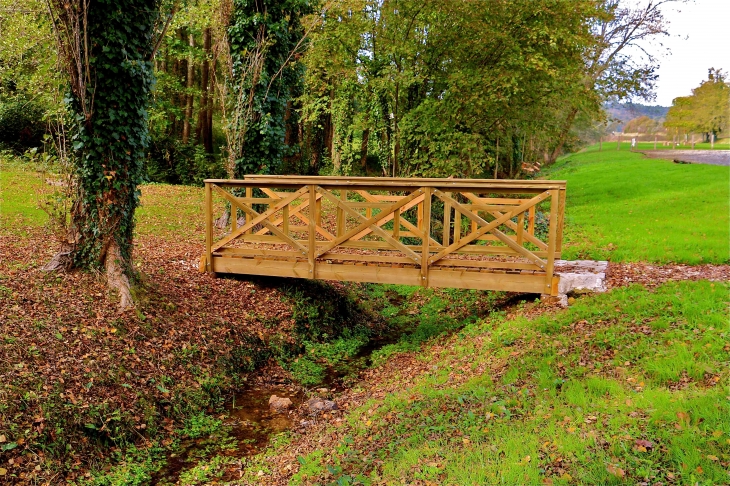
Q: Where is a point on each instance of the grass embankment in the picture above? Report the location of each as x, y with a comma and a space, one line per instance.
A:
82, 387
622, 388
624, 207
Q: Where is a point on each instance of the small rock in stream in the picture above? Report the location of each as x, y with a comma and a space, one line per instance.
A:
319, 405
279, 403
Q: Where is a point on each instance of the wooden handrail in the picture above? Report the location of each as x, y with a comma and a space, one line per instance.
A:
362, 232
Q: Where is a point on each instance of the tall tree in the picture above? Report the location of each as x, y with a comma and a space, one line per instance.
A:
106, 47
705, 111
273, 29
618, 64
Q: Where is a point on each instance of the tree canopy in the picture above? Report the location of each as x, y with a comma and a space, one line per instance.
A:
706, 110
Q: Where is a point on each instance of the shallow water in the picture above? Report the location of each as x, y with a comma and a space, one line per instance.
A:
251, 422
254, 421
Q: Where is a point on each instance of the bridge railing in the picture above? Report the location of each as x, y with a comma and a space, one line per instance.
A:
467, 233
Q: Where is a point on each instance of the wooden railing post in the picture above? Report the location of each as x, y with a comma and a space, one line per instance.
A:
312, 230
561, 220
426, 229
341, 221
552, 242
208, 227
249, 195
447, 223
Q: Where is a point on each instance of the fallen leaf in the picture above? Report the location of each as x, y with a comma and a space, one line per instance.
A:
616, 471
712, 458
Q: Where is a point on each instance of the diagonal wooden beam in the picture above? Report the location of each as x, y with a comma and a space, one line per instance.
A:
489, 227
510, 224
258, 218
365, 223
418, 233
389, 217
527, 236
294, 211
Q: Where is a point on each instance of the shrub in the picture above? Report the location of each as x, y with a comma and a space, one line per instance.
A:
21, 124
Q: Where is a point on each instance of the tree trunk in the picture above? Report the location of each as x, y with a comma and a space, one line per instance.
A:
189, 94
562, 137
111, 138
496, 162
364, 149
205, 128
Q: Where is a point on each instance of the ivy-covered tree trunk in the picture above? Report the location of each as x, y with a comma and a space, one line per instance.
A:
107, 46
272, 27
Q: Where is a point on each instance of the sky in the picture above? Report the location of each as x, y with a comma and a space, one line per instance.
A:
700, 39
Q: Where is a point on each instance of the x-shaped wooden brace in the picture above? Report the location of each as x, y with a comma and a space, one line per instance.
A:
297, 213
509, 223
487, 227
389, 216
370, 223
408, 225
260, 218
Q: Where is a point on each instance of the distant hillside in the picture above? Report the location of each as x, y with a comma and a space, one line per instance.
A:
623, 112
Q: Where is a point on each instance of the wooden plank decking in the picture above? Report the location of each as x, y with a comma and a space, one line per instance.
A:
464, 233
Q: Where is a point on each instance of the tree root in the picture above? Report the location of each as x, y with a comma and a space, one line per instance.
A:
60, 261
116, 278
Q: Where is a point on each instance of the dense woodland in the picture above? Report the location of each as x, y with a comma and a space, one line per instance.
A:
118, 93
402, 87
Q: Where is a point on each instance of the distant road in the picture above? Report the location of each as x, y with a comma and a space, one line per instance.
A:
714, 157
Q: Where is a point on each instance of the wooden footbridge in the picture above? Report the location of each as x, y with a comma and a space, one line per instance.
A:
464, 233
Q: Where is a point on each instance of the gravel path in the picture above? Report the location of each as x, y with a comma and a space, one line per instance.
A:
714, 157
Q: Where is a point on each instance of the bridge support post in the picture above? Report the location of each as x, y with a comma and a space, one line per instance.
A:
313, 217
426, 228
208, 227
550, 284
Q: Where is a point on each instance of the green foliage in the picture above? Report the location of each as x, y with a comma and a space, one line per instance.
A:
706, 111
383, 71
21, 124
170, 161
111, 132
306, 371
329, 330
275, 27
200, 425
571, 397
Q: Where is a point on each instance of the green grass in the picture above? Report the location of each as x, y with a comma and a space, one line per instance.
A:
624, 207
170, 212
20, 188
622, 388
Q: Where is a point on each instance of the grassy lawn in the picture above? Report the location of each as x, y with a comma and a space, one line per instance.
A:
170, 212
20, 186
624, 207
622, 388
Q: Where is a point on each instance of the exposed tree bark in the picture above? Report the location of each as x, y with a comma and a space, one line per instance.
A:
364, 148
111, 77
205, 126
189, 94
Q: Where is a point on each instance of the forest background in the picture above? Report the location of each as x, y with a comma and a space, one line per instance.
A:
401, 88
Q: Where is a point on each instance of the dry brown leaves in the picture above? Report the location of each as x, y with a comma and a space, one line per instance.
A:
62, 340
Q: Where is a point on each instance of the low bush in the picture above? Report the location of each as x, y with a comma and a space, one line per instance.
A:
21, 124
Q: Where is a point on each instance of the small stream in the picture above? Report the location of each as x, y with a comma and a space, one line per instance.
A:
250, 423
255, 421
250, 420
